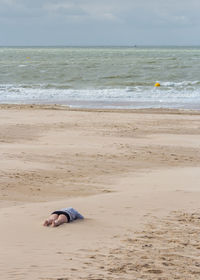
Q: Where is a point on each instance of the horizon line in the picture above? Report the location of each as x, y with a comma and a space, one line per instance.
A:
94, 46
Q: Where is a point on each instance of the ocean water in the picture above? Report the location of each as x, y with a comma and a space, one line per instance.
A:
101, 77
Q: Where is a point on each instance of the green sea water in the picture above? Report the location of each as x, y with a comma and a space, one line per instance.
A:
101, 76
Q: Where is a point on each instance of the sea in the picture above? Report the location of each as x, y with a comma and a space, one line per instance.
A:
101, 77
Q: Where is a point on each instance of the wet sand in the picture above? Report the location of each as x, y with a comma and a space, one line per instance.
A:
133, 174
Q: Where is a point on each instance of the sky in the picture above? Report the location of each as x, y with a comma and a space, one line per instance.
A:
97, 23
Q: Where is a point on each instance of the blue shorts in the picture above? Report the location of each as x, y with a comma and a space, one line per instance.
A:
70, 213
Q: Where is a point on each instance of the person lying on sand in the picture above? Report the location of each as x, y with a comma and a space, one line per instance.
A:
65, 215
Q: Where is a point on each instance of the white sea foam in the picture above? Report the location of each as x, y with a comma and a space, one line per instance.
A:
156, 97
180, 84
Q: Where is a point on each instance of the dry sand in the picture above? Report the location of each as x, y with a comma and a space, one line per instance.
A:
134, 175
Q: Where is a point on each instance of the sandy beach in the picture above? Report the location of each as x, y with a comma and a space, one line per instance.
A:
133, 174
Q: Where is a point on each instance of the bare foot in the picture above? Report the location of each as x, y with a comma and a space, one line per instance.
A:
55, 224
47, 223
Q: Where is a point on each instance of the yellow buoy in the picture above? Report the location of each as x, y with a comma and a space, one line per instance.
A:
28, 57
157, 85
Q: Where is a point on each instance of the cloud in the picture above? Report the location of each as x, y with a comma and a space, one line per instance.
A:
12, 9
82, 10
156, 11
65, 10
76, 10
101, 20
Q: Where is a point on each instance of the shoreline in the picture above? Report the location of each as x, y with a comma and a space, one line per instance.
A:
113, 110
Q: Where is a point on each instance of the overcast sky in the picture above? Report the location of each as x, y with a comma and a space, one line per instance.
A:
99, 22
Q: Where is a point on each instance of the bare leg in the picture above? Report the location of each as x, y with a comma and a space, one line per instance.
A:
60, 220
50, 220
